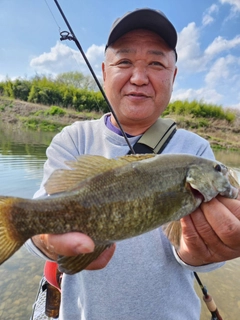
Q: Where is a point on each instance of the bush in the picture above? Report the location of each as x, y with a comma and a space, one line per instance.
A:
43, 125
21, 89
1, 88
199, 109
54, 110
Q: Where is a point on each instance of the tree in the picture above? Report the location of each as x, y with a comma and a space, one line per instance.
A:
72, 78
78, 80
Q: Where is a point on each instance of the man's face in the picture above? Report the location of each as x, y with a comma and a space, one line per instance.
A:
138, 74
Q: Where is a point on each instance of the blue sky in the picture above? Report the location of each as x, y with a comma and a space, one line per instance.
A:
208, 41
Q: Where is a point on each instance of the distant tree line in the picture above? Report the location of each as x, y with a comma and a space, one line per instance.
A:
75, 90
68, 90
199, 109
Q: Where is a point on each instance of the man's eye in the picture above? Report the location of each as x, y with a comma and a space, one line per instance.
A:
156, 63
124, 62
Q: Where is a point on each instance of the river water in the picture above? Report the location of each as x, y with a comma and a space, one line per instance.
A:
22, 155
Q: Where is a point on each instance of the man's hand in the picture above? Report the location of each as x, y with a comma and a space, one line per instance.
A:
211, 233
71, 244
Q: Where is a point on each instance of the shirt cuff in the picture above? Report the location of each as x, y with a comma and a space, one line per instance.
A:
35, 251
205, 268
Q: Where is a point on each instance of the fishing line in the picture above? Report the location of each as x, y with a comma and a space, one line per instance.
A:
65, 35
59, 29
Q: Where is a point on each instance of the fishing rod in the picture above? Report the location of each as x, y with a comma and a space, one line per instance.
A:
210, 303
65, 35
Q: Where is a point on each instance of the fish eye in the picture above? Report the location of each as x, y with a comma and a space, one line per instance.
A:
218, 168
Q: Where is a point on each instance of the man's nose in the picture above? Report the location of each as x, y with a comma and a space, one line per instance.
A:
139, 76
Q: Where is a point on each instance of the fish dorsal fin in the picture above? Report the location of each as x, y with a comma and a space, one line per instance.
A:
137, 157
85, 167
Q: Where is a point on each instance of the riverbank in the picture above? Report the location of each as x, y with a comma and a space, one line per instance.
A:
220, 133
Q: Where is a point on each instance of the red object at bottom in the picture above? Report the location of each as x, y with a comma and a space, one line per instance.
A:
52, 275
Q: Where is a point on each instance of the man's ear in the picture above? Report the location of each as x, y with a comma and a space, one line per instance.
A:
175, 73
103, 71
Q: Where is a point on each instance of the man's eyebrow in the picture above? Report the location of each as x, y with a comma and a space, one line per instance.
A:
153, 52
156, 52
125, 50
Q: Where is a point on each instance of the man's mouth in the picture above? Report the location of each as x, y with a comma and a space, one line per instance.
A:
138, 95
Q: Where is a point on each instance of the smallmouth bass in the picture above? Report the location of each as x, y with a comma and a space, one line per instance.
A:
113, 199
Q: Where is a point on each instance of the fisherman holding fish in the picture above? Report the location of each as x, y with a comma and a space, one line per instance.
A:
143, 277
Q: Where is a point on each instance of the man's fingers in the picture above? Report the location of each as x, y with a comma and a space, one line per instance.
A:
233, 205
68, 244
226, 225
71, 244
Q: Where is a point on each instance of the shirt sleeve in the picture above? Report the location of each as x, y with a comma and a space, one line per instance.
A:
30, 246
205, 268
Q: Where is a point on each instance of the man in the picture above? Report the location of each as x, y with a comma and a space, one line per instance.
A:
145, 277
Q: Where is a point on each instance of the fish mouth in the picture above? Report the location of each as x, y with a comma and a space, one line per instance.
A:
233, 192
196, 194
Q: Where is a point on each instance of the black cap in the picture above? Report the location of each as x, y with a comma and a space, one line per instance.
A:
150, 19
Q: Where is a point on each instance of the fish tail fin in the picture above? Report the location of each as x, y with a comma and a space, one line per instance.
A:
9, 242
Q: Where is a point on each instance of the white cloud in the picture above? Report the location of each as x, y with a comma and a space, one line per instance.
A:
220, 44
214, 79
207, 15
62, 58
214, 8
95, 55
207, 19
225, 76
221, 70
188, 48
188, 44
235, 106
206, 94
190, 56
234, 3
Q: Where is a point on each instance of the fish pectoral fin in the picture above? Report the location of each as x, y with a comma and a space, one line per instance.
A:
233, 178
74, 264
85, 166
173, 232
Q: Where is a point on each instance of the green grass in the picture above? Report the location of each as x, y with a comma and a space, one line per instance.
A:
6, 104
41, 124
52, 111
55, 110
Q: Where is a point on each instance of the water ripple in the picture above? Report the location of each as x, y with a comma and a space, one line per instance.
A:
20, 175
